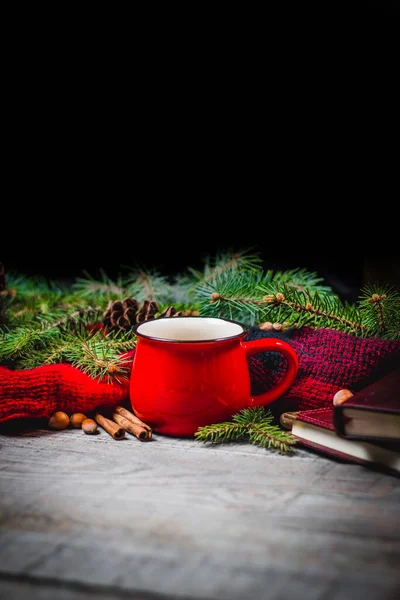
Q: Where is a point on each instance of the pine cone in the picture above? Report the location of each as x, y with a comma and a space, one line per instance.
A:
121, 314
170, 312
125, 314
147, 312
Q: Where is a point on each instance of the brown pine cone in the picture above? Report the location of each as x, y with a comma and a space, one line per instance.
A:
171, 312
147, 312
121, 314
125, 314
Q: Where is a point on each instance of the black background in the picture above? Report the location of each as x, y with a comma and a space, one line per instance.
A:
305, 208
346, 251
333, 210
298, 162
382, 7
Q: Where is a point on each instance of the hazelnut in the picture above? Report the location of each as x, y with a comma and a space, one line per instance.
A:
60, 420
76, 420
288, 418
265, 326
89, 426
341, 397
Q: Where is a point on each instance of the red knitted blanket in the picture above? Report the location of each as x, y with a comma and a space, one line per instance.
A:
328, 361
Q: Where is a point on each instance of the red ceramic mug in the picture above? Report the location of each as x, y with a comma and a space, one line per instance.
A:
192, 371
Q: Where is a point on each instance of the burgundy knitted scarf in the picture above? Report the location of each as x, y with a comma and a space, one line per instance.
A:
328, 361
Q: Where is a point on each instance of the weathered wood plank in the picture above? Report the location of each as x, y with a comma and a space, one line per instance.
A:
176, 518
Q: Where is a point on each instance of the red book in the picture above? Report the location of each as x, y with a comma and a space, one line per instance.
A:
315, 429
373, 414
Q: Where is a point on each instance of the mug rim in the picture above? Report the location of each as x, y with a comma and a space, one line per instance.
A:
168, 341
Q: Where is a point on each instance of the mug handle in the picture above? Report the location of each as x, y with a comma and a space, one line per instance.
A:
273, 345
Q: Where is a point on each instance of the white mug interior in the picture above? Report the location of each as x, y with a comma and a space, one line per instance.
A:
189, 329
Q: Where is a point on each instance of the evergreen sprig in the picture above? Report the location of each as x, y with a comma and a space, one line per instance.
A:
257, 424
234, 297
33, 300
19, 340
96, 354
298, 298
43, 322
101, 356
285, 304
228, 263
231, 262
301, 279
17, 343
150, 284
380, 310
241, 297
100, 289
141, 284
144, 284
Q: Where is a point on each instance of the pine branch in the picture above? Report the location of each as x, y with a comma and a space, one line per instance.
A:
231, 262
220, 433
227, 262
148, 285
95, 354
182, 289
271, 436
313, 310
380, 310
51, 339
5, 294
35, 300
240, 296
256, 424
46, 322
102, 356
28, 286
300, 279
261, 430
55, 351
76, 316
16, 343
104, 289
234, 297
252, 297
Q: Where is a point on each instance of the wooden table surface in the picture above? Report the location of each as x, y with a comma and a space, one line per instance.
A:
90, 517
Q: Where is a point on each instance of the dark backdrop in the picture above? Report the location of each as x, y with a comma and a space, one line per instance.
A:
346, 253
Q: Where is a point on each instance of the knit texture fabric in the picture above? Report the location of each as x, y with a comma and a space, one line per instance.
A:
38, 393
328, 361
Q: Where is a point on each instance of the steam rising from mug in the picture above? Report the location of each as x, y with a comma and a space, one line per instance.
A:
192, 371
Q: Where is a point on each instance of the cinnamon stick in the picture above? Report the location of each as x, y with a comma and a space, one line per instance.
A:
112, 428
140, 432
120, 410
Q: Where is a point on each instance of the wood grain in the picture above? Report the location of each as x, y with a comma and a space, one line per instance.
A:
83, 516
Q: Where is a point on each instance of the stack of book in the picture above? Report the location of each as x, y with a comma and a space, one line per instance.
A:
365, 429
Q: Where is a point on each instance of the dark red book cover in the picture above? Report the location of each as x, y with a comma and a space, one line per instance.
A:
372, 414
315, 429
